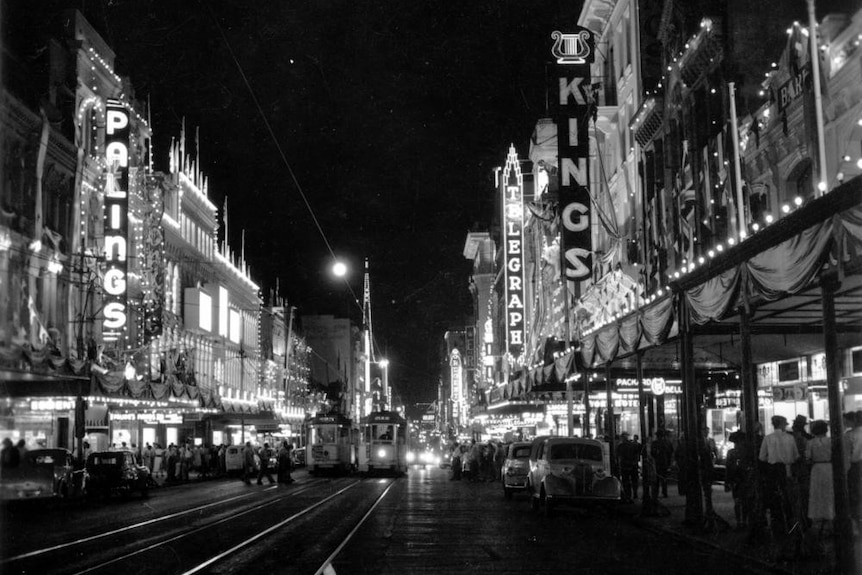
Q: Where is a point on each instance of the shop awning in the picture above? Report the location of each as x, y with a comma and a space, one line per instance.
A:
29, 384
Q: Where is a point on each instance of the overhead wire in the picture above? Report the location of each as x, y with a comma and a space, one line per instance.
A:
276, 142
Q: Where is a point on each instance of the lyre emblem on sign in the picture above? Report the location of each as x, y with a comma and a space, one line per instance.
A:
571, 48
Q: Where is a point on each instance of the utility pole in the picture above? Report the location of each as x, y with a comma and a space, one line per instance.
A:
242, 394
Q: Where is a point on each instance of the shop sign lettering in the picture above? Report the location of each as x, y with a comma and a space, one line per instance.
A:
116, 220
571, 95
513, 216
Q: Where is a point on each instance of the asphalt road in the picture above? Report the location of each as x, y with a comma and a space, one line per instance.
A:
421, 523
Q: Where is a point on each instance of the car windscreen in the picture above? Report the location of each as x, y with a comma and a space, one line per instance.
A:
522, 452
47, 457
106, 459
575, 451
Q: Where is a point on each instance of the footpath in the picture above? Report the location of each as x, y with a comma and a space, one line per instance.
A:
797, 554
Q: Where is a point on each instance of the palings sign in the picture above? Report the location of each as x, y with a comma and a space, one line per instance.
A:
116, 220
571, 100
513, 246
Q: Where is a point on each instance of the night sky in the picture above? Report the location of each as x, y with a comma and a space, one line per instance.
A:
391, 115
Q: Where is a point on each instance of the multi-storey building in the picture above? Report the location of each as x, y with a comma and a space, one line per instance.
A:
122, 319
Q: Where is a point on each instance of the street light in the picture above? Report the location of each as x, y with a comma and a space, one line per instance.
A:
339, 269
384, 363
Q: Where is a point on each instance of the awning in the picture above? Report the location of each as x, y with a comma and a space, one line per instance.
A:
29, 384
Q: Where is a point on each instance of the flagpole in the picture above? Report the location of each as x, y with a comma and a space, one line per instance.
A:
818, 101
737, 168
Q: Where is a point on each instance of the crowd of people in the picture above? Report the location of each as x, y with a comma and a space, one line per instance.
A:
476, 461
791, 469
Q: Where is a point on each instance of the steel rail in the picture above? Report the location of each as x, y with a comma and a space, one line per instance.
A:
350, 535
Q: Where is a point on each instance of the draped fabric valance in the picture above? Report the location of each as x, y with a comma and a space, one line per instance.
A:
651, 326
785, 269
115, 383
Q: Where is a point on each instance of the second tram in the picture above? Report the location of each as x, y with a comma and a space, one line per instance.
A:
383, 443
331, 444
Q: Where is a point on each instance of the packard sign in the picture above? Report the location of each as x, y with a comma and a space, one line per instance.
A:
571, 99
116, 220
513, 247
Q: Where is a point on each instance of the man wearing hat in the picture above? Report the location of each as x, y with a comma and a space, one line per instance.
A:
779, 452
740, 477
628, 453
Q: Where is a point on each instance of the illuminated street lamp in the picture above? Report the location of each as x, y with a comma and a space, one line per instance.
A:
339, 269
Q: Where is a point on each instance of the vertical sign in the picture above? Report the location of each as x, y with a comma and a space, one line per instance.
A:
116, 220
513, 247
470, 347
456, 379
571, 101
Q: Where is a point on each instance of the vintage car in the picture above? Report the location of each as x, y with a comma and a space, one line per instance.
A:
516, 468
43, 473
116, 472
572, 470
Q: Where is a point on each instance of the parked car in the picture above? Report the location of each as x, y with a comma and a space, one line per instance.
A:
68, 481
116, 472
42, 473
233, 459
570, 469
298, 456
516, 468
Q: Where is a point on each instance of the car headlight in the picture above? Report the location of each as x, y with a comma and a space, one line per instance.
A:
410, 456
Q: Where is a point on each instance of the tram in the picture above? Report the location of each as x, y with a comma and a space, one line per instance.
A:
331, 444
383, 443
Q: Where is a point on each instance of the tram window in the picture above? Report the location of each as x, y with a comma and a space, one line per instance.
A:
326, 435
387, 432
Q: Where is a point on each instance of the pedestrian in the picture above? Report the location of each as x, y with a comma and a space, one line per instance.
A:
456, 463
475, 456
628, 454
285, 465
171, 460
147, 457
854, 475
204, 462
158, 460
801, 468
21, 446
707, 453
247, 463
499, 459
740, 478
265, 454
10, 456
778, 452
662, 454
185, 461
821, 500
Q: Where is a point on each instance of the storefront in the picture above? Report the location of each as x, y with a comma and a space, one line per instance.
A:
662, 409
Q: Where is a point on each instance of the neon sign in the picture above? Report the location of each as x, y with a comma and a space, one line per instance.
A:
513, 216
116, 220
571, 94
455, 367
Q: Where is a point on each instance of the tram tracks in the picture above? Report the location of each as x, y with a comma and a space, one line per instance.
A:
206, 537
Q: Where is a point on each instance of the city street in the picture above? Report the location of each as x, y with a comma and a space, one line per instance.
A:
422, 523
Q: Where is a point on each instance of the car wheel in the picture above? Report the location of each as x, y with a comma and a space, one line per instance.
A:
548, 504
534, 501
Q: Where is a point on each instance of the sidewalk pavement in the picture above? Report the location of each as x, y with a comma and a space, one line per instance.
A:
816, 555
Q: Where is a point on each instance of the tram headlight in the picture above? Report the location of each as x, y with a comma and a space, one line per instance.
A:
381, 453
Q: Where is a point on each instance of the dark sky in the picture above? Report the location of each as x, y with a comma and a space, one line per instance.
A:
392, 116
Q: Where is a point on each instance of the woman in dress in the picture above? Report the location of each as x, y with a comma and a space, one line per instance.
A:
818, 452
